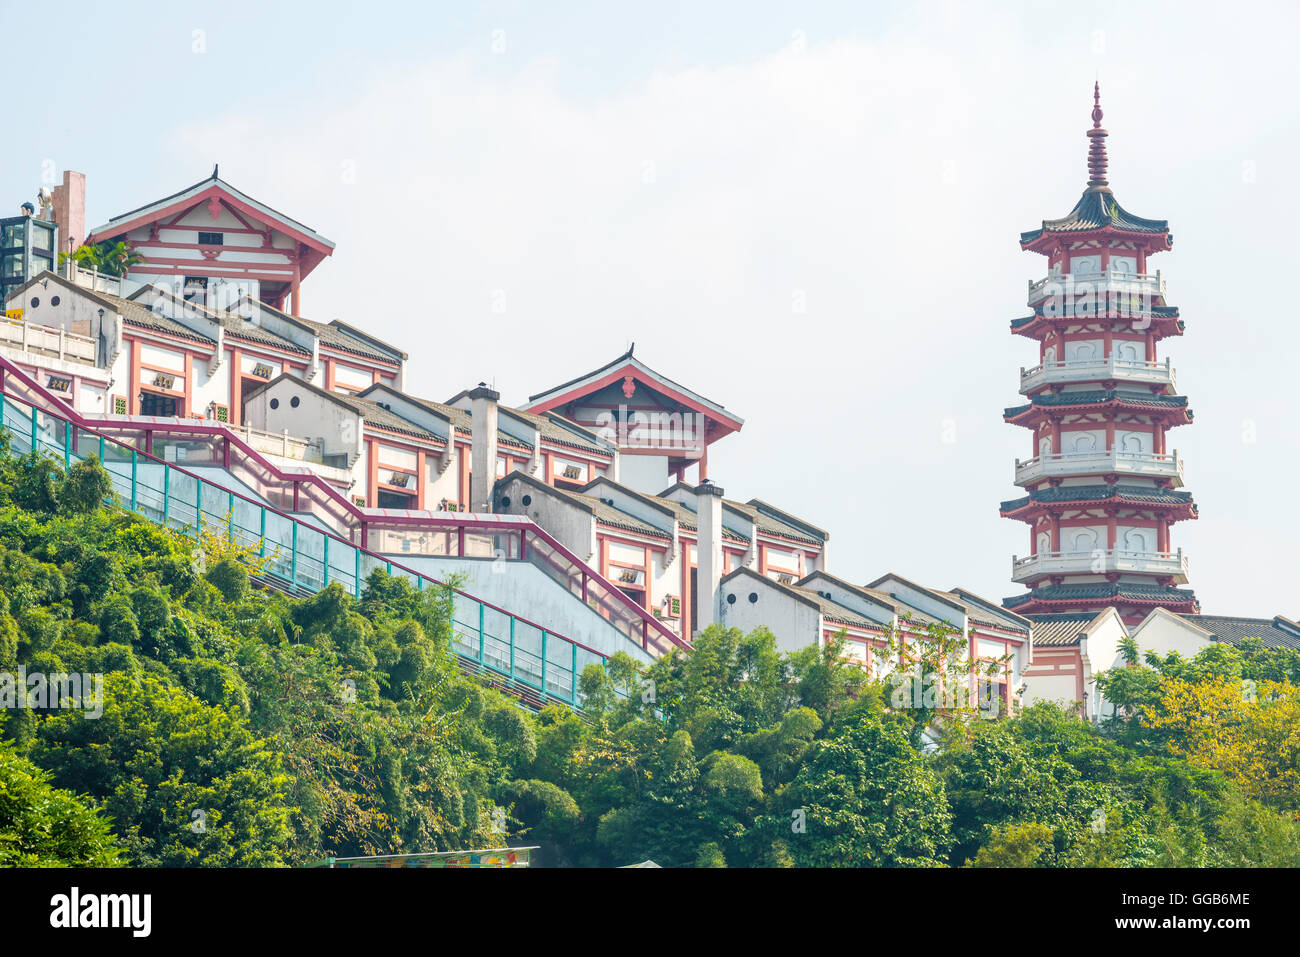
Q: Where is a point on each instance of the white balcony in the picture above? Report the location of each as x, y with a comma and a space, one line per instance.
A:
1140, 464
51, 341
1075, 371
96, 281
1100, 562
1069, 286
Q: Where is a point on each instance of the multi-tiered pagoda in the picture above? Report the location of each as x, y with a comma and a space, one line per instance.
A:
1103, 487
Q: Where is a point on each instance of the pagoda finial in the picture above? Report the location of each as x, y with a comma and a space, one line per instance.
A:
1097, 144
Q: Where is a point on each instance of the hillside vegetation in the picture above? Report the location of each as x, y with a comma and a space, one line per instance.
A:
241, 727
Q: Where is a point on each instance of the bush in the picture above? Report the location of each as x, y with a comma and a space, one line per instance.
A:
85, 488
230, 578
43, 826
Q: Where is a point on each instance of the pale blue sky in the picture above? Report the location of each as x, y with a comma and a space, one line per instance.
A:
679, 174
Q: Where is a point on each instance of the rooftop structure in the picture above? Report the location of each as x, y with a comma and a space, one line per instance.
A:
1102, 487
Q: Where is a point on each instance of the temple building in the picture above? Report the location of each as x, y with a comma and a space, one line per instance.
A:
587, 520
1102, 486
661, 428
214, 244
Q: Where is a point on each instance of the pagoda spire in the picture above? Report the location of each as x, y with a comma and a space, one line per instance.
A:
1097, 144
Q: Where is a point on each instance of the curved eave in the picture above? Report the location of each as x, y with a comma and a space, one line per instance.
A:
1032, 415
1029, 603
1038, 325
1097, 214
1030, 509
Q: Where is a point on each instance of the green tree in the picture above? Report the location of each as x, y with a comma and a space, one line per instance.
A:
186, 783
865, 797
1014, 845
45, 826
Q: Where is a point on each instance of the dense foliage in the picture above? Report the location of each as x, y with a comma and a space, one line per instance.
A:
237, 726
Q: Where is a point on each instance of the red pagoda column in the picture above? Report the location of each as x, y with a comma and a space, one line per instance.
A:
1101, 489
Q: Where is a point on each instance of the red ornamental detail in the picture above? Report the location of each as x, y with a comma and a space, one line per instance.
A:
1097, 143
629, 386
214, 207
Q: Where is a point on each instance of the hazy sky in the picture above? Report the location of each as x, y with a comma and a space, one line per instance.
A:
687, 177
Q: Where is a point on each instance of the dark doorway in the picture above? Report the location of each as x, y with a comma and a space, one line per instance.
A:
245, 387
154, 404
386, 499
636, 594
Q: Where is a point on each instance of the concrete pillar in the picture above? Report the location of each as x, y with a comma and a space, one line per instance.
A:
483, 451
708, 564
70, 210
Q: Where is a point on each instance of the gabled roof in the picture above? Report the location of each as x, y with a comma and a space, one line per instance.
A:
459, 418
214, 187
1276, 632
132, 313
334, 335
602, 512
558, 430
352, 331
830, 610
232, 323
371, 412
939, 596
984, 612
628, 365
772, 519
1063, 630
604, 481
874, 597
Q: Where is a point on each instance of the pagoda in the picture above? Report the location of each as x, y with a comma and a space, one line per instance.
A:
1102, 488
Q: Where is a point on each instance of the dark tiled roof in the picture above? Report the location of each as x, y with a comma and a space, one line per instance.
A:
1130, 591
1098, 397
376, 415
203, 183
1133, 494
1096, 209
830, 610
990, 607
372, 341
770, 518
979, 614
335, 338
1157, 312
460, 419
608, 514
1276, 632
233, 323
244, 329
834, 611
1060, 630
144, 318
558, 430
688, 521
621, 360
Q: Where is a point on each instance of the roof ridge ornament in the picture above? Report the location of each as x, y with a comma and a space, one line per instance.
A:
1097, 144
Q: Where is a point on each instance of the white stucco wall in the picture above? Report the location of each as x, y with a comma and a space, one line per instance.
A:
795, 624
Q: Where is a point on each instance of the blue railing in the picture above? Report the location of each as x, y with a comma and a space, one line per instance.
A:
521, 656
